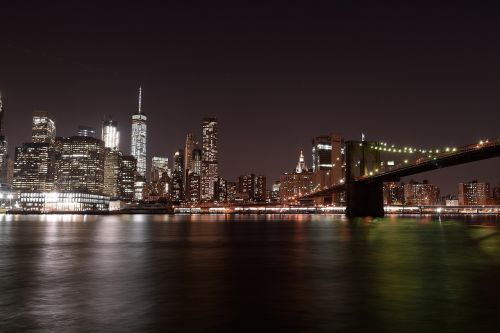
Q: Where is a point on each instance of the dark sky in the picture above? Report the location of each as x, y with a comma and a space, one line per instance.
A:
275, 74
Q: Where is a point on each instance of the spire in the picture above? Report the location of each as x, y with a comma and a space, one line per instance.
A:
301, 166
140, 99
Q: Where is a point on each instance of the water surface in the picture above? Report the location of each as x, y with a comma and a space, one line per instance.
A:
239, 273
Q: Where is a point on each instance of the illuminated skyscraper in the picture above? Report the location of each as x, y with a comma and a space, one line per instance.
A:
110, 134
80, 164
112, 162
4, 153
197, 161
128, 166
34, 167
43, 128
177, 180
188, 158
139, 132
159, 166
209, 163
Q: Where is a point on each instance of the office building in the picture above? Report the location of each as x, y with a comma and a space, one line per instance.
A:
34, 167
110, 134
128, 169
79, 164
159, 167
252, 187
188, 157
393, 193
220, 190
112, 165
193, 192
196, 157
473, 193
297, 183
328, 161
43, 127
138, 138
417, 194
4, 152
209, 163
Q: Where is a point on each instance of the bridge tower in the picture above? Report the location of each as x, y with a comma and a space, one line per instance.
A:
364, 198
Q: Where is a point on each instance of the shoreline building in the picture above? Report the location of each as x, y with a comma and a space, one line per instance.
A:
328, 164
473, 193
416, 193
394, 193
34, 165
209, 162
139, 138
297, 183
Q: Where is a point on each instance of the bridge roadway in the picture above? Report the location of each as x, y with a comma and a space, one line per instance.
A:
470, 153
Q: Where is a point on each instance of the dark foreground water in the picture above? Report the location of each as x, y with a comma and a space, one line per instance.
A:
248, 273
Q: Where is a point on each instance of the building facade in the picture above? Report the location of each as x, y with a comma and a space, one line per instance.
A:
419, 194
209, 163
473, 193
4, 152
79, 164
110, 134
43, 127
394, 193
34, 167
138, 138
128, 170
297, 183
112, 165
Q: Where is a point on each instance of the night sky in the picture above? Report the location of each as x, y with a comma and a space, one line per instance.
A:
275, 74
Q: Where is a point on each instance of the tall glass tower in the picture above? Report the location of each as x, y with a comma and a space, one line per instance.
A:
3, 147
110, 134
209, 163
139, 131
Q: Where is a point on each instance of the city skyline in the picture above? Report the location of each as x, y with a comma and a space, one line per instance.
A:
292, 77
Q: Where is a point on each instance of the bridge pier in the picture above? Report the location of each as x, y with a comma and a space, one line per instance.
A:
365, 199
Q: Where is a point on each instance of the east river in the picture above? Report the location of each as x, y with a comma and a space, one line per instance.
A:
249, 273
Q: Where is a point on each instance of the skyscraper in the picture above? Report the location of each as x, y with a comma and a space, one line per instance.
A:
43, 128
112, 163
209, 163
139, 132
80, 164
197, 161
177, 180
128, 166
4, 153
110, 134
34, 167
159, 166
188, 158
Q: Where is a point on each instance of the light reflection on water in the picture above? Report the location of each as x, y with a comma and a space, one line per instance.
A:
248, 273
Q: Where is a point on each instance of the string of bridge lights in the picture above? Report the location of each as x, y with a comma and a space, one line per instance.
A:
384, 146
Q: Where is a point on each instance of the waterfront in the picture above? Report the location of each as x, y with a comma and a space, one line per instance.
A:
249, 273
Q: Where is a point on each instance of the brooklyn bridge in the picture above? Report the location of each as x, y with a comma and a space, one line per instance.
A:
368, 164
